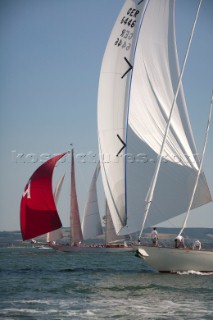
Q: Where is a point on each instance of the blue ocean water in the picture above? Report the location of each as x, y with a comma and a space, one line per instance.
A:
41, 284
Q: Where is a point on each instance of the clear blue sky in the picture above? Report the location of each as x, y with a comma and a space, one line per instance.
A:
50, 59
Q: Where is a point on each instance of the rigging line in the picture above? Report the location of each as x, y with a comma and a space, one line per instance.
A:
200, 168
150, 192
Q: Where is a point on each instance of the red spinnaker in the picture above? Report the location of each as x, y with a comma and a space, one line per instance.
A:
38, 213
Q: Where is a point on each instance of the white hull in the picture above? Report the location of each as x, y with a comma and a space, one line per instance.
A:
41, 245
176, 260
91, 249
44, 247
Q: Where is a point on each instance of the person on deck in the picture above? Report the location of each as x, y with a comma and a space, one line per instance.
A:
179, 242
154, 236
196, 245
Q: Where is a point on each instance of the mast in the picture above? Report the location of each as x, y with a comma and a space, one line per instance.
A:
151, 190
75, 225
201, 165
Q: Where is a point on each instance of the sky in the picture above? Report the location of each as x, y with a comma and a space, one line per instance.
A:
50, 59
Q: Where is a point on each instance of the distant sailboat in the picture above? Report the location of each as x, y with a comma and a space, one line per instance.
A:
142, 120
39, 215
43, 189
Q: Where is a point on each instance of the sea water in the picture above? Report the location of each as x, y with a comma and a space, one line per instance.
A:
42, 284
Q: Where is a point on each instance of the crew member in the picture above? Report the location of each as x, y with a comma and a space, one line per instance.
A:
179, 242
197, 245
154, 236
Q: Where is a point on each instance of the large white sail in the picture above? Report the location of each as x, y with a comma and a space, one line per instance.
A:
91, 224
54, 235
114, 84
137, 107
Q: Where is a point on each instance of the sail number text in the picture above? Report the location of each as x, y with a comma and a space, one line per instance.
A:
124, 39
121, 41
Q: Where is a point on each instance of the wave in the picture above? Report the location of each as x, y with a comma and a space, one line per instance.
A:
195, 273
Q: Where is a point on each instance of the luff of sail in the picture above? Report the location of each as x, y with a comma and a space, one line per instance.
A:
38, 213
75, 229
145, 102
91, 224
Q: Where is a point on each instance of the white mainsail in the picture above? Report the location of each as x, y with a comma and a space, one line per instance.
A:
91, 224
135, 106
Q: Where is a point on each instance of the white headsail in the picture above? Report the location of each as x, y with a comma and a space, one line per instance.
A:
91, 224
56, 234
110, 235
138, 82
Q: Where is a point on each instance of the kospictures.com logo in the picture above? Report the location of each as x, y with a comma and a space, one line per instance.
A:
93, 157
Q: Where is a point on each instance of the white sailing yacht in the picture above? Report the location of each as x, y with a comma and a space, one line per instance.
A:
153, 173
